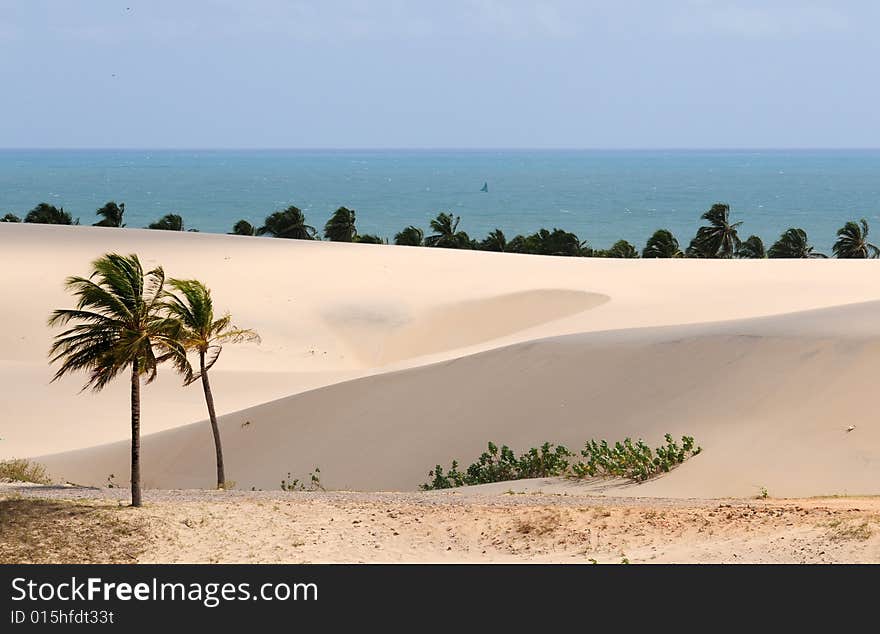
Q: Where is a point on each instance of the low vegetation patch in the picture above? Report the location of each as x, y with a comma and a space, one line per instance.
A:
21, 470
859, 529
295, 484
496, 465
634, 461
49, 532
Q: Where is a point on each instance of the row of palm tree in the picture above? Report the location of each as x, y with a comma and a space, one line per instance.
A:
126, 320
718, 238
111, 215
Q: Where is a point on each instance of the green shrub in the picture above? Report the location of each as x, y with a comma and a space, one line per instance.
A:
500, 465
632, 460
21, 470
454, 478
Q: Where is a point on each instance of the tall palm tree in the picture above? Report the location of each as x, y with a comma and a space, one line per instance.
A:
193, 308
341, 226
852, 241
752, 248
290, 223
495, 241
411, 236
793, 243
446, 234
111, 215
119, 325
244, 228
168, 222
662, 244
719, 239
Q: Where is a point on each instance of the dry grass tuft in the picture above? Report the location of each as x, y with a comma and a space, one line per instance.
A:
539, 524
38, 531
859, 529
21, 470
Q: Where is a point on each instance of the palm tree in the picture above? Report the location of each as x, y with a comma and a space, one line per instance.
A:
341, 226
620, 249
852, 241
446, 234
290, 223
193, 308
118, 325
47, 214
793, 243
370, 238
168, 222
495, 241
662, 244
111, 215
719, 239
244, 228
10, 218
752, 248
411, 236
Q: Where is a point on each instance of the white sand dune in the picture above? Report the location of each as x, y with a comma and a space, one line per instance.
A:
770, 409
383, 361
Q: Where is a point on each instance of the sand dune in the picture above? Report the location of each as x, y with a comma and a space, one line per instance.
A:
769, 407
383, 361
379, 338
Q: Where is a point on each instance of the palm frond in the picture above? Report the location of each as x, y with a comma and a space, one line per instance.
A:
190, 306
116, 322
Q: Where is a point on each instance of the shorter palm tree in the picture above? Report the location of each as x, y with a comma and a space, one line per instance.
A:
793, 244
370, 238
620, 249
341, 226
201, 333
411, 236
718, 239
47, 214
243, 228
111, 215
168, 222
118, 326
752, 248
290, 223
662, 244
495, 241
852, 241
10, 218
446, 234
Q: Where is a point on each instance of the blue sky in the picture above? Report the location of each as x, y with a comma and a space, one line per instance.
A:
457, 73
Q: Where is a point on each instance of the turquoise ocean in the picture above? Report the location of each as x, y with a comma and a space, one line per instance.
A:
602, 196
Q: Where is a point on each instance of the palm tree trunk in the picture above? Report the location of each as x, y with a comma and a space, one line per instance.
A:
135, 434
209, 399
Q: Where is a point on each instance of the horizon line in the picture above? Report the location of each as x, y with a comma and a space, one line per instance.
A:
440, 149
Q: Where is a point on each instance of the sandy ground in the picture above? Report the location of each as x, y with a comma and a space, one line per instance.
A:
76, 525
